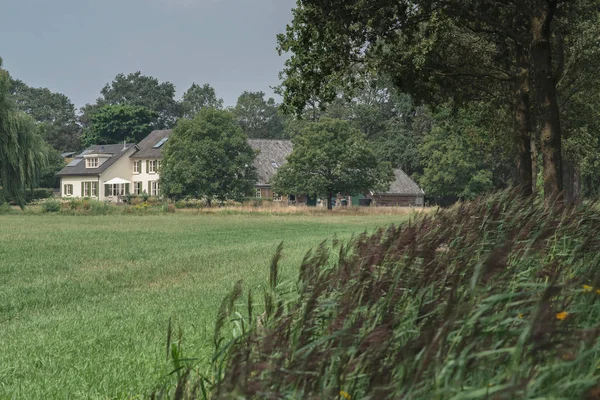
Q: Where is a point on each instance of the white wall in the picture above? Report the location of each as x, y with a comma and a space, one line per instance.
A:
144, 176
122, 168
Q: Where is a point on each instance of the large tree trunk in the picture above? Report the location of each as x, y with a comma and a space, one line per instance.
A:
550, 134
523, 124
329, 205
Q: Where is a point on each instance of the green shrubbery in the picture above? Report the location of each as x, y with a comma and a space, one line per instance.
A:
30, 195
498, 298
51, 206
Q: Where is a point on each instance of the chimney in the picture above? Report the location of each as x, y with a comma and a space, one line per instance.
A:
124, 146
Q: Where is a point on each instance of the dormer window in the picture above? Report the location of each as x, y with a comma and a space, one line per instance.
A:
274, 164
91, 162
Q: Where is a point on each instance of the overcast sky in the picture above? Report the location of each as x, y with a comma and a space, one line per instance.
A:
76, 46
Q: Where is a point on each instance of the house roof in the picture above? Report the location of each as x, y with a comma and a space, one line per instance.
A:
68, 154
271, 155
403, 185
115, 151
146, 146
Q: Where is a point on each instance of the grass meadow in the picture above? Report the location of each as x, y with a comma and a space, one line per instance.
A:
85, 302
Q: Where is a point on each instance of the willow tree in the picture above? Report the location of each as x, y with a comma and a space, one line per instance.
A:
22, 150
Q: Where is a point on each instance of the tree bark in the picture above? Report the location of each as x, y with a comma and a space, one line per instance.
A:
329, 205
534, 162
571, 182
523, 124
550, 133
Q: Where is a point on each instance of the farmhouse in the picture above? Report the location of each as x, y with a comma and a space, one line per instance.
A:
109, 172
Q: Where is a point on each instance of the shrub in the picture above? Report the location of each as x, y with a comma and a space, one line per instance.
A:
51, 206
5, 208
497, 298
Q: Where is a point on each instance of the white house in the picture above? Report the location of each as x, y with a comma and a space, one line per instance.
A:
108, 172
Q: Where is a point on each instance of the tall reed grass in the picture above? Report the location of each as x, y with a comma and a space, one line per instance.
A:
494, 299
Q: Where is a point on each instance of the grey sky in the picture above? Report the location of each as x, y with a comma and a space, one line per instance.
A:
76, 46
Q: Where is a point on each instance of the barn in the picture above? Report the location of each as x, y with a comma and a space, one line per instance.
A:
403, 192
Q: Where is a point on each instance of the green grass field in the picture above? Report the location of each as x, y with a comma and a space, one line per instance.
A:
85, 301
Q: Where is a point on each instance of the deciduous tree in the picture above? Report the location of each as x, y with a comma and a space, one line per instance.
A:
208, 156
331, 157
198, 97
116, 123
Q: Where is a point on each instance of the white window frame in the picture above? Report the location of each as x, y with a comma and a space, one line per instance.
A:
137, 188
277, 197
116, 189
92, 162
93, 189
152, 166
258, 193
137, 167
68, 189
155, 189
87, 188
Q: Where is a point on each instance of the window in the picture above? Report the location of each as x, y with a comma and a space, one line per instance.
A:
274, 164
137, 188
91, 163
162, 141
154, 189
87, 188
116, 189
258, 194
68, 190
152, 166
277, 197
94, 191
158, 162
137, 167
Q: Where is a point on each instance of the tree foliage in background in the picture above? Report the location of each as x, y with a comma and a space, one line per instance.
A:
461, 157
208, 156
138, 90
468, 50
22, 150
331, 157
54, 113
259, 118
116, 123
198, 97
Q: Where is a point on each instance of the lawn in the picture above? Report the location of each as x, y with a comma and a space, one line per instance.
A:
85, 301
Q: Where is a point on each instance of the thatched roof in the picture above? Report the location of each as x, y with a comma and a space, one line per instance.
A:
403, 185
146, 146
271, 155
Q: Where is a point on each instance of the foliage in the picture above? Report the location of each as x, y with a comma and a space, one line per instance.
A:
460, 157
117, 123
22, 150
56, 162
258, 118
494, 298
51, 206
138, 90
198, 97
54, 113
210, 157
331, 157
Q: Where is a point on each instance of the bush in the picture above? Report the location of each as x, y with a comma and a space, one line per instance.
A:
498, 298
51, 206
5, 208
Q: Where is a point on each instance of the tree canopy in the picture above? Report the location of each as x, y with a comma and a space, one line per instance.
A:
259, 118
116, 123
198, 97
138, 90
208, 156
331, 157
439, 50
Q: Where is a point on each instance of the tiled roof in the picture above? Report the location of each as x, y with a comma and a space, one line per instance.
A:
146, 146
115, 151
272, 154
